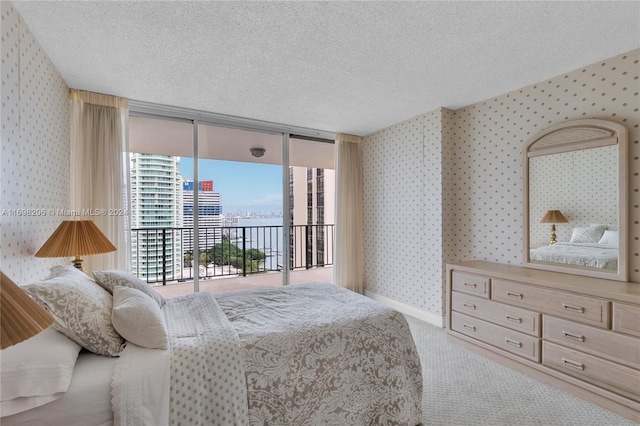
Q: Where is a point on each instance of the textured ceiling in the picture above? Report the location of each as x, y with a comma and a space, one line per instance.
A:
352, 67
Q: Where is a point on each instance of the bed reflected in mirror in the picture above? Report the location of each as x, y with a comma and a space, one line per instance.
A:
575, 199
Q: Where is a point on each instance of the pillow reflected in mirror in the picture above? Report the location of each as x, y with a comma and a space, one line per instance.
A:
609, 238
589, 234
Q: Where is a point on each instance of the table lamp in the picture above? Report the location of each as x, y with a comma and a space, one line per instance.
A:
21, 317
76, 238
553, 217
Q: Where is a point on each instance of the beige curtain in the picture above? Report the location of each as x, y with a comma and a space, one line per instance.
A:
99, 164
348, 262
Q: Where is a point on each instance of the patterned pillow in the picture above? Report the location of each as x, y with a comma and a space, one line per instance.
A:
589, 234
138, 318
81, 309
110, 279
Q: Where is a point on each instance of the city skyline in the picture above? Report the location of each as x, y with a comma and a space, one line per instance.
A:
252, 187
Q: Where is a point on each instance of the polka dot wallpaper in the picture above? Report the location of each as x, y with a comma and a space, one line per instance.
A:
34, 162
475, 178
395, 210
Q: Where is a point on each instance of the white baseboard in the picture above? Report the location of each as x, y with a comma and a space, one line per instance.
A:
420, 314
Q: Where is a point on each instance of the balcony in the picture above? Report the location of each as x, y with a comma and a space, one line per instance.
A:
224, 284
252, 255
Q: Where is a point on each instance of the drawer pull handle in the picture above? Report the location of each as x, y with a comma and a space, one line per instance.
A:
514, 319
573, 364
469, 306
573, 336
470, 327
518, 295
513, 342
578, 309
472, 285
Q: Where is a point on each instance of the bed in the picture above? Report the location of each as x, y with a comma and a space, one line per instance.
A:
590, 255
300, 355
594, 246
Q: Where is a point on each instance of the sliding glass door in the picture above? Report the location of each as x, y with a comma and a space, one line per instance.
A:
211, 202
311, 202
240, 204
159, 150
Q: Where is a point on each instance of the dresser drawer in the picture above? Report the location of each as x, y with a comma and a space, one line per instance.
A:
503, 338
585, 309
469, 283
508, 316
603, 373
626, 318
607, 344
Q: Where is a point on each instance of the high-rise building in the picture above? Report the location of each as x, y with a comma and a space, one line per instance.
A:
156, 216
311, 202
209, 214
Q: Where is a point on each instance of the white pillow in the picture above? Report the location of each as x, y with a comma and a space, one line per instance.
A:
110, 279
81, 309
589, 234
609, 238
36, 371
138, 318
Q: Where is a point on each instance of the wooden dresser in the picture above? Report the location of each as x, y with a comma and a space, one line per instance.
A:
577, 333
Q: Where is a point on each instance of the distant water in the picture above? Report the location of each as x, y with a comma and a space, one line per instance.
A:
268, 240
268, 221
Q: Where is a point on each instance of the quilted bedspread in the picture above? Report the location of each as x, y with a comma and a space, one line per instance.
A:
319, 354
590, 255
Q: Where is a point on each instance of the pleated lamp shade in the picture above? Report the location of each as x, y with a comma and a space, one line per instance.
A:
554, 216
20, 316
76, 238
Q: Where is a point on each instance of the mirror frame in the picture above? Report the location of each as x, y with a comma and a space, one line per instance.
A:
576, 135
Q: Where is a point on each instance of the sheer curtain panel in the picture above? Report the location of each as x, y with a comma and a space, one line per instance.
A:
99, 164
348, 263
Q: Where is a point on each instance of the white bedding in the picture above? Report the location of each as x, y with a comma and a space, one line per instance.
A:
86, 402
301, 355
599, 256
140, 387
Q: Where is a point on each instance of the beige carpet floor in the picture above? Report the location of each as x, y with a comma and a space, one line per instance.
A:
463, 388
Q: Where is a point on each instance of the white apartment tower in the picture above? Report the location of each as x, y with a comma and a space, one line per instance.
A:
156, 216
209, 214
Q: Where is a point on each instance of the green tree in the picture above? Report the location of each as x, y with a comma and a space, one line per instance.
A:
227, 253
223, 252
204, 257
255, 254
188, 259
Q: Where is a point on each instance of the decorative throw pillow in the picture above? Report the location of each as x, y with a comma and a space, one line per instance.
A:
589, 234
110, 279
36, 371
81, 310
138, 318
57, 270
609, 238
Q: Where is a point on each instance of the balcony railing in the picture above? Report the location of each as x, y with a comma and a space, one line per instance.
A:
162, 255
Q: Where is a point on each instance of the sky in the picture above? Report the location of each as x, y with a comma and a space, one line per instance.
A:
246, 186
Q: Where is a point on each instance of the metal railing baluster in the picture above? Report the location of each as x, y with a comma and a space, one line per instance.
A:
169, 254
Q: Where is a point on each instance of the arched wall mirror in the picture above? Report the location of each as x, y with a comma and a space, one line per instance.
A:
575, 199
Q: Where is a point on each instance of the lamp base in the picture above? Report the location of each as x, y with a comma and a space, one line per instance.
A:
77, 262
552, 238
